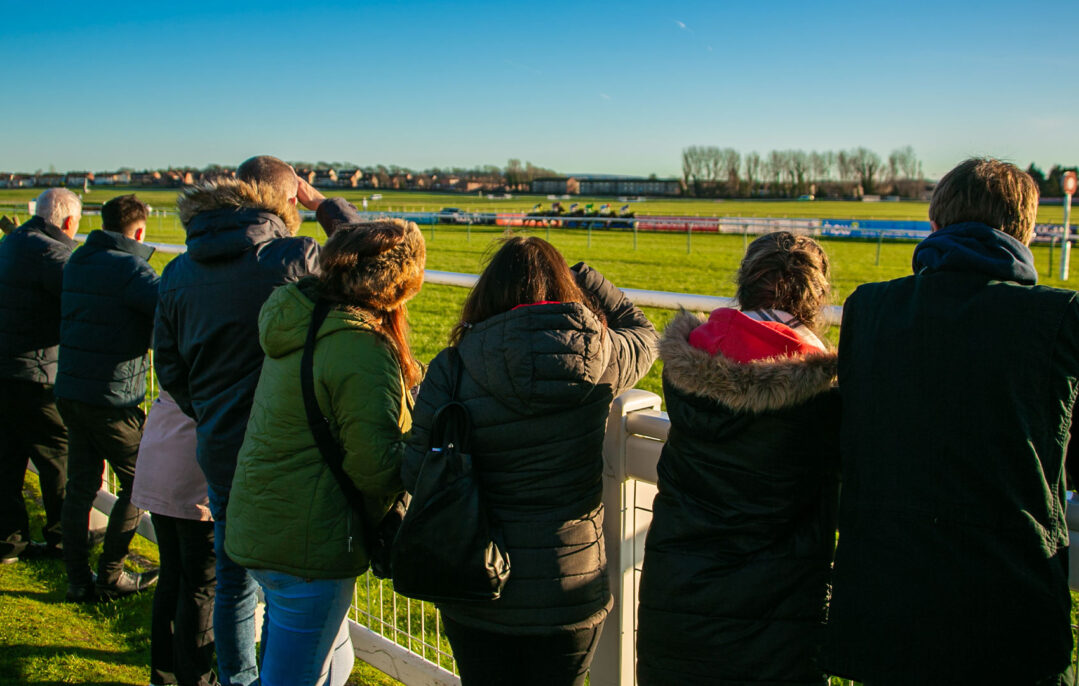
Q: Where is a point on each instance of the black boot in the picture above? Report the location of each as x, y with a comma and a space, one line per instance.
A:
82, 591
126, 584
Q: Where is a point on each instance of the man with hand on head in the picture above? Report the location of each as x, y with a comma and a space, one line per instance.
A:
32, 260
107, 309
241, 245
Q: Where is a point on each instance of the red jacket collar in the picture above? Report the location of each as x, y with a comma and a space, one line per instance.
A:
737, 337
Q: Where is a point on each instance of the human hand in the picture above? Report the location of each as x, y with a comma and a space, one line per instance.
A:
307, 195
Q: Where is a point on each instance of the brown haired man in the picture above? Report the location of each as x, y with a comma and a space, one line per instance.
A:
958, 385
241, 244
107, 319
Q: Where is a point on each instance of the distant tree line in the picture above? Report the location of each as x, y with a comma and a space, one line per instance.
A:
515, 176
1049, 186
711, 171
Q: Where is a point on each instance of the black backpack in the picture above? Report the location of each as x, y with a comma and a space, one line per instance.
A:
448, 549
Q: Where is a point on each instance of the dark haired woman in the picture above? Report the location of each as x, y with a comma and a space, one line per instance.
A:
544, 350
735, 580
288, 519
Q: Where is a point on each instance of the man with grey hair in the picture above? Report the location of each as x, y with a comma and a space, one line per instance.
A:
32, 259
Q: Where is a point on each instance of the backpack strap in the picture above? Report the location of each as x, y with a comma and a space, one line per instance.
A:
320, 425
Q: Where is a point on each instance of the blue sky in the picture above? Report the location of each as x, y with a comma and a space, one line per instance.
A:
574, 86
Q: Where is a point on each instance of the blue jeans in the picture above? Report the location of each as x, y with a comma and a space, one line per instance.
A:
234, 606
305, 639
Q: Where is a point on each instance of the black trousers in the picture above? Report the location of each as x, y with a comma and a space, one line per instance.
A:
486, 658
99, 435
30, 428
182, 629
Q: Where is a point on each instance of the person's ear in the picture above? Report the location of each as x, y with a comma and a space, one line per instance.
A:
71, 225
292, 200
933, 228
140, 234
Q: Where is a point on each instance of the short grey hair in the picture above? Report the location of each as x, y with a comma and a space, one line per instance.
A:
57, 204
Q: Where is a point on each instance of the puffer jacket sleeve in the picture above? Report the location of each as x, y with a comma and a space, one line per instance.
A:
140, 292
172, 371
363, 380
51, 269
334, 211
633, 338
434, 393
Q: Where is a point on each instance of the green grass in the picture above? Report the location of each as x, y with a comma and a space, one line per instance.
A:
165, 199
44, 640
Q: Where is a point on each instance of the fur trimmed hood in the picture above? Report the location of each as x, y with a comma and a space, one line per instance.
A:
759, 386
233, 194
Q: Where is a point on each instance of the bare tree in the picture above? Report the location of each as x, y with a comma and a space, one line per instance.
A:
713, 160
752, 170
820, 165
514, 173
905, 171
731, 161
867, 166
692, 167
798, 163
779, 166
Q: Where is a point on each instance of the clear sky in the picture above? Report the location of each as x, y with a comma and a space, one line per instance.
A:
574, 86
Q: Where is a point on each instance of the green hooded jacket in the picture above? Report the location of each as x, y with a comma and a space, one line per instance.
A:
286, 512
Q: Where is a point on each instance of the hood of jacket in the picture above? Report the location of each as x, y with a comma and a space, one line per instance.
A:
762, 385
225, 217
109, 240
286, 316
975, 247
538, 357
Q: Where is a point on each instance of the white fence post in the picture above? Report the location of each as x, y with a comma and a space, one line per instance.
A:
614, 662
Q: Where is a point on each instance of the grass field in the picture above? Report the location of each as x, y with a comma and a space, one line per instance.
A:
165, 199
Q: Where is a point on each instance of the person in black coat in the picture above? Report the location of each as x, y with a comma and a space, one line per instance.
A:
107, 316
544, 350
958, 387
241, 245
734, 585
32, 260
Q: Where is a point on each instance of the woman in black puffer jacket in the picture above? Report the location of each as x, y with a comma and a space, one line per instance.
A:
735, 581
544, 350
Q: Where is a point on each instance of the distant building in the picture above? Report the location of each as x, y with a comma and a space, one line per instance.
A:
146, 178
325, 178
111, 178
628, 185
597, 184
49, 180
79, 178
555, 185
349, 178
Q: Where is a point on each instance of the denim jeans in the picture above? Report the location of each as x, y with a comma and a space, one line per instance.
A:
234, 605
304, 633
